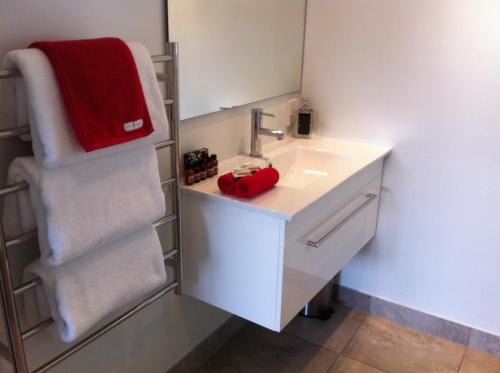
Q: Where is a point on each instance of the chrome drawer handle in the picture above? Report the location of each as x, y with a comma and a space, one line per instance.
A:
369, 197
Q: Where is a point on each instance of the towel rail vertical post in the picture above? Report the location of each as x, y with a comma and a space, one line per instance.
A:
9, 302
173, 91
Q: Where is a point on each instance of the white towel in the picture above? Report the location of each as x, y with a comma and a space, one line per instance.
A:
81, 207
22, 116
54, 143
82, 292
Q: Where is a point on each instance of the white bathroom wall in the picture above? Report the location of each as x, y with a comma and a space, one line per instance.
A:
423, 76
158, 336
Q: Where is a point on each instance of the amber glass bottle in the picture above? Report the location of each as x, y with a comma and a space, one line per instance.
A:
215, 163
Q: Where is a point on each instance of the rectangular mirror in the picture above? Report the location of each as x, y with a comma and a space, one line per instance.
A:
234, 52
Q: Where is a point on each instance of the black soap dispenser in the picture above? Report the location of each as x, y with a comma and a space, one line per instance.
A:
304, 125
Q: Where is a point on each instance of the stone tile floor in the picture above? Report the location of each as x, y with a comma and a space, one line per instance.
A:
350, 342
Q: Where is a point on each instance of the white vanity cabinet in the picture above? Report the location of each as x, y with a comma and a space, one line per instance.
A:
263, 263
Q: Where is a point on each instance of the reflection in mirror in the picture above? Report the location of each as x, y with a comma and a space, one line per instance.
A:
234, 52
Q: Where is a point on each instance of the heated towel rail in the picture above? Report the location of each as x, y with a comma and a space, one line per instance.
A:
16, 353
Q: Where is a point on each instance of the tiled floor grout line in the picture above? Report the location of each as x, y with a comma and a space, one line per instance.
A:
334, 361
352, 336
362, 362
308, 341
465, 351
462, 360
318, 345
341, 353
326, 347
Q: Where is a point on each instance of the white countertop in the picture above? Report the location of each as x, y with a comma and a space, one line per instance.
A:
309, 168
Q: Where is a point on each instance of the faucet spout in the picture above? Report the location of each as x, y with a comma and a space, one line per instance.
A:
258, 129
280, 135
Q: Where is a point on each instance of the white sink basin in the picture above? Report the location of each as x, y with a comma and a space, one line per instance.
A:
309, 168
300, 166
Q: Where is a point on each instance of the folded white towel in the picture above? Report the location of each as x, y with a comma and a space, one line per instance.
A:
82, 292
22, 116
54, 143
83, 206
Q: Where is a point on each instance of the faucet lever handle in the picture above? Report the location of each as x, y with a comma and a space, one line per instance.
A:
269, 115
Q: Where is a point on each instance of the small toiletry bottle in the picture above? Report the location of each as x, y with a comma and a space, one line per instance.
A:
203, 170
197, 174
215, 163
189, 176
304, 125
210, 167
188, 169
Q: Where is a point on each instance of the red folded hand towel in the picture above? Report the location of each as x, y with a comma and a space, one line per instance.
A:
101, 89
256, 183
227, 183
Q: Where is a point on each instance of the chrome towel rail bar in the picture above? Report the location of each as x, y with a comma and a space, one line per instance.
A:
100, 332
368, 198
27, 286
16, 354
14, 132
42, 325
14, 188
9, 73
14, 73
22, 238
23, 288
24, 130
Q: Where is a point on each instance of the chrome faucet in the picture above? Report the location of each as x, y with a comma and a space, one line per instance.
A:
257, 129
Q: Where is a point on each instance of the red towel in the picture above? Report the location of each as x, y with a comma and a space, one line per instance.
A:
227, 183
101, 89
256, 183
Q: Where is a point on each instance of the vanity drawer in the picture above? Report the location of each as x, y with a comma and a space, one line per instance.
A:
322, 239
